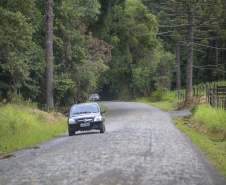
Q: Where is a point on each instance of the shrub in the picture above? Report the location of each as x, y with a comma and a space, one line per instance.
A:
157, 96
194, 109
170, 96
163, 96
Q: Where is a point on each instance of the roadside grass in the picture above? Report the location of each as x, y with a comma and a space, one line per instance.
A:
211, 121
165, 102
23, 126
166, 106
214, 149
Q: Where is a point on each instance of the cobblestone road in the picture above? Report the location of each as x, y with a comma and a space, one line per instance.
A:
141, 147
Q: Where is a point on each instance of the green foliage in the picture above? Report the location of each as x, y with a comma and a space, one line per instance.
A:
20, 100
17, 49
86, 9
63, 84
74, 48
164, 105
22, 48
13, 119
194, 109
170, 96
164, 71
172, 17
142, 79
130, 29
160, 95
157, 96
22, 127
213, 119
106, 45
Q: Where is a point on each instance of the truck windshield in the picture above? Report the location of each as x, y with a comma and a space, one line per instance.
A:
83, 109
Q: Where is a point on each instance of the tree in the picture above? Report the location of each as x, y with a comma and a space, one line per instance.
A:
164, 71
77, 52
178, 72
192, 15
129, 28
49, 54
17, 49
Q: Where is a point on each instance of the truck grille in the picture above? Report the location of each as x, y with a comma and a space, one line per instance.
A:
84, 120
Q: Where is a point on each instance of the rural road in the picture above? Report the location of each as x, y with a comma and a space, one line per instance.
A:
141, 146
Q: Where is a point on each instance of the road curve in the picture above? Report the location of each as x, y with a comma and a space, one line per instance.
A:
141, 146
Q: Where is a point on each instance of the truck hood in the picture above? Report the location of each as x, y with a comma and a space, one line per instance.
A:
87, 115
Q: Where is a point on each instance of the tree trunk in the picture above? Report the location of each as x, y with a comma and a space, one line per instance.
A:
216, 49
225, 62
209, 71
178, 75
189, 71
49, 54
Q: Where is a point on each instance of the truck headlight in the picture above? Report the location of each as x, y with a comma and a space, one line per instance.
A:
98, 118
71, 121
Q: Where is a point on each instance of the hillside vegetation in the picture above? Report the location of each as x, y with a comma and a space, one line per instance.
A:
24, 126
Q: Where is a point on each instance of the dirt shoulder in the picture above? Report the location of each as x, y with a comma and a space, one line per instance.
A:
195, 101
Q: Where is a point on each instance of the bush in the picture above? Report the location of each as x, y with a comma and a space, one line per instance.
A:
194, 109
157, 96
164, 96
170, 96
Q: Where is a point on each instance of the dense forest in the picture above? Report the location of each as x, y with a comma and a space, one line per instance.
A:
118, 48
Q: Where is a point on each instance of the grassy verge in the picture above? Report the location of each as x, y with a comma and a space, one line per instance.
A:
22, 127
211, 121
214, 149
164, 105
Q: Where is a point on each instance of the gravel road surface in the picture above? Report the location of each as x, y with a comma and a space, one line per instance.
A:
141, 146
